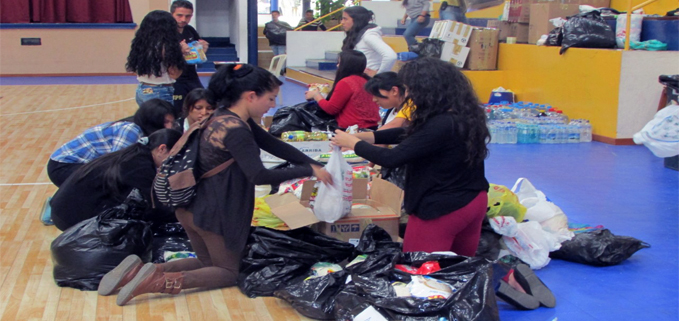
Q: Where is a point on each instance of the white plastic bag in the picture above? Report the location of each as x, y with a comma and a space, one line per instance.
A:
334, 201
634, 29
661, 134
552, 219
532, 244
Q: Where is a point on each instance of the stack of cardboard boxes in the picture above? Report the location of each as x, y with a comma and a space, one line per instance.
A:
528, 20
466, 46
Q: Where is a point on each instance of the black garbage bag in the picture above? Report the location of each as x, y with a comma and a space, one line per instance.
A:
429, 47
91, 248
587, 30
598, 248
170, 237
274, 258
303, 116
315, 297
374, 239
555, 37
396, 175
490, 242
471, 279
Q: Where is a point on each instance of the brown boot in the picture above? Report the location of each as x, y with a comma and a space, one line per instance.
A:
120, 275
151, 279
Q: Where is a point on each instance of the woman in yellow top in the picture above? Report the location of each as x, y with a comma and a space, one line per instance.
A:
389, 93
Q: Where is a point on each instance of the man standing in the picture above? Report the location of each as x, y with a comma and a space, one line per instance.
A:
275, 30
309, 17
182, 11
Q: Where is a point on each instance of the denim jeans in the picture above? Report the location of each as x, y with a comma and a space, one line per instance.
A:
278, 50
413, 29
148, 92
453, 13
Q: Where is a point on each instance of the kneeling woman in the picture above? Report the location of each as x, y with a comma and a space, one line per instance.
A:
106, 181
218, 219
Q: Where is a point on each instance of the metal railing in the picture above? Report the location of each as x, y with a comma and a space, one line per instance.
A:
319, 18
628, 24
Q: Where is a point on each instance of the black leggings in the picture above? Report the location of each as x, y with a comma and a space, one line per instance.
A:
58, 172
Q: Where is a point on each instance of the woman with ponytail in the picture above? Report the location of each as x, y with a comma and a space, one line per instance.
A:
218, 219
366, 37
106, 181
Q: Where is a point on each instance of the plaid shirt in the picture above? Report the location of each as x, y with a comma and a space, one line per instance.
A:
98, 141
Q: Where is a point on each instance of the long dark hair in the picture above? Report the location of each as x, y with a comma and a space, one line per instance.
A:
155, 45
229, 82
110, 163
384, 81
438, 87
194, 96
362, 18
150, 116
351, 62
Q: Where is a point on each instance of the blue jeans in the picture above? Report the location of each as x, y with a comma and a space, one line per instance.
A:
413, 29
148, 92
453, 13
278, 50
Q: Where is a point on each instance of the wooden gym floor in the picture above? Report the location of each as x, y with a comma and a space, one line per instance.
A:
34, 121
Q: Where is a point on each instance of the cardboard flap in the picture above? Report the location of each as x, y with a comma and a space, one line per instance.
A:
289, 210
386, 193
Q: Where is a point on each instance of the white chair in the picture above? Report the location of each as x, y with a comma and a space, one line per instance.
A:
276, 66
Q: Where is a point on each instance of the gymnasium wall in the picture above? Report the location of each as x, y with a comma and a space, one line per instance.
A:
71, 51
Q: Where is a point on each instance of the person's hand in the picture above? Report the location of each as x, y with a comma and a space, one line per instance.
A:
311, 94
420, 19
185, 48
321, 174
370, 72
403, 21
342, 139
205, 44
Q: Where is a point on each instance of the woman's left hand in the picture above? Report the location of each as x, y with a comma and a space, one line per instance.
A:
420, 19
342, 139
309, 95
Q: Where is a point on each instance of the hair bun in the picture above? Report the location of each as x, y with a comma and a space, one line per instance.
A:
241, 70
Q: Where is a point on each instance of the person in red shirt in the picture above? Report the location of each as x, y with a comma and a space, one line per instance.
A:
348, 101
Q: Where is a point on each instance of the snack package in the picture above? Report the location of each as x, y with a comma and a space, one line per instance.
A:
429, 288
196, 55
322, 269
324, 89
424, 269
401, 289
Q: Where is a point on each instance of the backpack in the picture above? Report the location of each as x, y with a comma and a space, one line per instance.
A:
175, 183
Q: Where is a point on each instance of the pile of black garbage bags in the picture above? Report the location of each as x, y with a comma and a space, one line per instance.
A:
278, 263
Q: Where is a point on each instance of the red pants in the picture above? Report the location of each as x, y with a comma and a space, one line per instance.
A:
458, 231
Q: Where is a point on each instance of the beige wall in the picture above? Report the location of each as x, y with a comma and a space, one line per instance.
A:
71, 51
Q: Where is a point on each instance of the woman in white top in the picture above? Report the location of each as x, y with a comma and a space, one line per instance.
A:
156, 56
367, 38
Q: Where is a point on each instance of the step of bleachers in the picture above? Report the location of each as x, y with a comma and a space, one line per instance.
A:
321, 64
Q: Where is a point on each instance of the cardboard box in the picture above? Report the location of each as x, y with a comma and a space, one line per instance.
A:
384, 200
542, 12
519, 10
458, 33
311, 149
454, 53
483, 45
510, 29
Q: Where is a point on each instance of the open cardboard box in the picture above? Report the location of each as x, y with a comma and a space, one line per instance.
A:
384, 200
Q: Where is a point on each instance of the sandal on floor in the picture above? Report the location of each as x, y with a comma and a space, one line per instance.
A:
516, 298
533, 285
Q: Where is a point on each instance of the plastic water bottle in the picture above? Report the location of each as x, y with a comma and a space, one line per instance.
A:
552, 134
534, 134
543, 133
573, 133
493, 132
586, 132
511, 133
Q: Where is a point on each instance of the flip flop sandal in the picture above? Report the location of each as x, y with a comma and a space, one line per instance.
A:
533, 285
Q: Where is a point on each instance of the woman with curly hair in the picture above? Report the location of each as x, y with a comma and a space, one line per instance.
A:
443, 149
366, 37
156, 56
